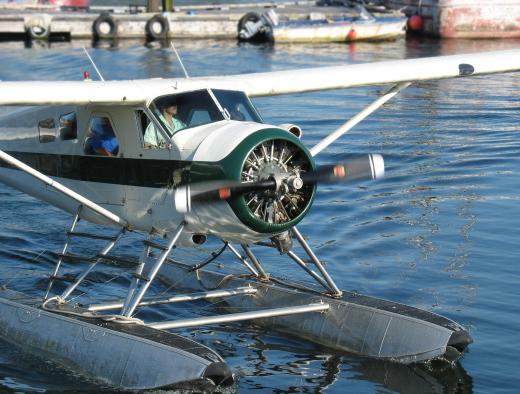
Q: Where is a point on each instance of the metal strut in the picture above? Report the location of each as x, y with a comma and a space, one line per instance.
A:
335, 291
64, 250
132, 305
358, 118
262, 275
138, 274
68, 291
234, 317
205, 295
63, 189
243, 260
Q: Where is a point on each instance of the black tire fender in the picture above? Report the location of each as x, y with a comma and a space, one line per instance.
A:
104, 26
38, 32
38, 27
157, 28
249, 17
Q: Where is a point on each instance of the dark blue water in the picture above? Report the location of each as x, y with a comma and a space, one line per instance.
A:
440, 231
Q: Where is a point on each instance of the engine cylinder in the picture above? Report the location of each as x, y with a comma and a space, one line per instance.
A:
282, 157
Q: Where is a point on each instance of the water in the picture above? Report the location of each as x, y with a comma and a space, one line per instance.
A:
440, 231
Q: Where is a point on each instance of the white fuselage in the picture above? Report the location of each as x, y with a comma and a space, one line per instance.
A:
128, 184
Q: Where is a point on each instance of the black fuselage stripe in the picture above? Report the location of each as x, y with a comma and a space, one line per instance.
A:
114, 170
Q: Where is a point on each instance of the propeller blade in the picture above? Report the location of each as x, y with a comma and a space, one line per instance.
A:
215, 191
370, 166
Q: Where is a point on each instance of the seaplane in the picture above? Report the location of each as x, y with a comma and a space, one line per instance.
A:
186, 161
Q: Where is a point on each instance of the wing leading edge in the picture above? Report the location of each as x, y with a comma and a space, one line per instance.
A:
261, 84
394, 71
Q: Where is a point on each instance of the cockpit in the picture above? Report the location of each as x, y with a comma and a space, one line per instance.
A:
176, 112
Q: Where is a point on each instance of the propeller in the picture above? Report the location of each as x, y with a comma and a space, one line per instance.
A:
369, 166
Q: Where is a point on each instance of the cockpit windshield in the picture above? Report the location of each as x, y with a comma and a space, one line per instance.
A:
237, 105
185, 110
180, 111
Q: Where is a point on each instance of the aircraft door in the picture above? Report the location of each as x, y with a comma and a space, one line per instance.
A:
148, 198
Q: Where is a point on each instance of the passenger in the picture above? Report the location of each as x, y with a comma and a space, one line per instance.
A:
153, 137
103, 140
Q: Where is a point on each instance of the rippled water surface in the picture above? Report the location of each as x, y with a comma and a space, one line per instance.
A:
440, 231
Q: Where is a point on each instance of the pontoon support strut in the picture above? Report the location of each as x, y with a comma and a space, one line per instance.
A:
64, 250
205, 295
68, 291
331, 285
153, 271
233, 317
263, 276
138, 272
302, 264
243, 260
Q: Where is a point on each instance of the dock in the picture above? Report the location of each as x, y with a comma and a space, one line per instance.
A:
216, 21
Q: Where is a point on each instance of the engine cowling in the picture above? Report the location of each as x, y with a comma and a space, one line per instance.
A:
269, 153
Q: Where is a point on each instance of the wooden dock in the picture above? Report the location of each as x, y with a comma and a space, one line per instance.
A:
219, 21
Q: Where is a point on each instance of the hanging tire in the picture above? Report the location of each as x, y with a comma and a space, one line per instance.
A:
38, 27
38, 32
261, 36
157, 28
104, 26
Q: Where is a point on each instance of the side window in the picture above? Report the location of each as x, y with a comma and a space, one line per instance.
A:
47, 130
68, 126
101, 139
152, 138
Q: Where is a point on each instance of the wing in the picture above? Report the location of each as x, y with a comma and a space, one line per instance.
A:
260, 84
70, 93
395, 71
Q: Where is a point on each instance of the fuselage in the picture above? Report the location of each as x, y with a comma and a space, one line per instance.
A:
137, 180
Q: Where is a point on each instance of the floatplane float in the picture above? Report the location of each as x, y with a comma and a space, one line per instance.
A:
218, 171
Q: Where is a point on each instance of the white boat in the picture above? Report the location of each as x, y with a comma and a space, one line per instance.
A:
363, 26
340, 30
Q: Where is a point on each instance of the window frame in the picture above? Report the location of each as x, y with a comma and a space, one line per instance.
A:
74, 126
163, 127
88, 133
158, 125
46, 138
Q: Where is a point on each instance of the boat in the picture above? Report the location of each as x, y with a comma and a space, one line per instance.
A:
319, 28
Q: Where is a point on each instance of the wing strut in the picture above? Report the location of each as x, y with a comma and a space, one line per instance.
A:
63, 189
358, 118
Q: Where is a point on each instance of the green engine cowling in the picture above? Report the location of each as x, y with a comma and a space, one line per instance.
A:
264, 154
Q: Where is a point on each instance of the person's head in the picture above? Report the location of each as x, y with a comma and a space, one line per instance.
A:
170, 109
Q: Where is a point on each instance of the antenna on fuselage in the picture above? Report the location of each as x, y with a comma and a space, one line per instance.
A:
180, 60
93, 64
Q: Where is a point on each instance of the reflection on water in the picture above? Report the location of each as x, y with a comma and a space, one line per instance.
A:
439, 232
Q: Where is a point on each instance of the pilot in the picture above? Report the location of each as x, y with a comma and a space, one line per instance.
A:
103, 140
152, 137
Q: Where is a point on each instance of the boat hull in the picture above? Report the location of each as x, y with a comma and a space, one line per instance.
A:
340, 31
126, 356
354, 323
